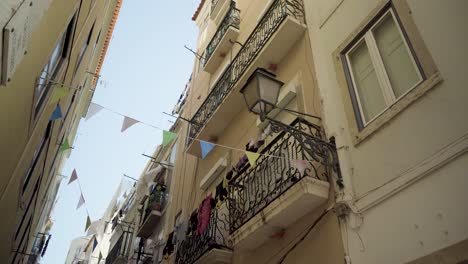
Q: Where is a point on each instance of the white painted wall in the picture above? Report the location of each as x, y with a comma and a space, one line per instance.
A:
431, 213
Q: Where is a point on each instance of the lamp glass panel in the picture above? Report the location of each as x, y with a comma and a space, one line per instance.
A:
269, 89
250, 93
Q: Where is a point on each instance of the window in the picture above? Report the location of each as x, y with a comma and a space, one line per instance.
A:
64, 119
50, 69
35, 159
172, 158
95, 44
84, 48
381, 67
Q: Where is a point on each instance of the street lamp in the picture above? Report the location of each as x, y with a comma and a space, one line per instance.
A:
261, 94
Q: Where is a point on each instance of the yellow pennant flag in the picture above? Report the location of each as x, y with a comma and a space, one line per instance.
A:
88, 223
58, 93
252, 157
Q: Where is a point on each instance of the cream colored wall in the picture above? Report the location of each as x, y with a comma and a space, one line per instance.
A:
321, 245
431, 212
250, 12
324, 243
19, 137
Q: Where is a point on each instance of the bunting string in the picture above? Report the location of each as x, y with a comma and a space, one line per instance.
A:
205, 145
82, 202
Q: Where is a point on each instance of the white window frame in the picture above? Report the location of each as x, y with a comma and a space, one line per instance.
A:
379, 67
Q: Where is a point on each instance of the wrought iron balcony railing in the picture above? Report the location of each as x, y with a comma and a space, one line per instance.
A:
121, 248
232, 19
254, 188
216, 236
265, 29
157, 200
39, 248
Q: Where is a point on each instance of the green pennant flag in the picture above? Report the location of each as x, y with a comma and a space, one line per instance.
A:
88, 223
58, 93
100, 257
252, 157
65, 145
167, 137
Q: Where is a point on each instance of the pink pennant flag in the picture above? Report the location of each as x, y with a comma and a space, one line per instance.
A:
80, 202
73, 177
93, 110
251, 143
128, 122
300, 165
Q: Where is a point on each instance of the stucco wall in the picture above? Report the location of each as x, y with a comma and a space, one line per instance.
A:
429, 133
19, 134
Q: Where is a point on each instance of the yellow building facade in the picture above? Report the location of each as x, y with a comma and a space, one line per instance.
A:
47, 45
261, 212
380, 88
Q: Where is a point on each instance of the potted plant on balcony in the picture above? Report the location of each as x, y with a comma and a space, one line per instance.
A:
156, 197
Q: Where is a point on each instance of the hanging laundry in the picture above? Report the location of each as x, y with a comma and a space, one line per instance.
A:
204, 213
193, 223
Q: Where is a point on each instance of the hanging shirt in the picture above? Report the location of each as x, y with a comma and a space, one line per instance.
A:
204, 213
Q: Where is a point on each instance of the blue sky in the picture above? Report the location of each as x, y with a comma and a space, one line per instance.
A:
145, 70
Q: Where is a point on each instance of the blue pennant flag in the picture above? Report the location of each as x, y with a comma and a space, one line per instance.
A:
206, 147
94, 243
57, 114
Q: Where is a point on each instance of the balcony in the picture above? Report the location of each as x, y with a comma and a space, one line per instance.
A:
276, 192
121, 250
217, 7
39, 248
141, 258
278, 30
210, 247
154, 207
221, 42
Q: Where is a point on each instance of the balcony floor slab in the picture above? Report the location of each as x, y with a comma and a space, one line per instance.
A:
305, 196
215, 256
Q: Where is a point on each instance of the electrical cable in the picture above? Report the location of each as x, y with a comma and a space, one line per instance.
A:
308, 230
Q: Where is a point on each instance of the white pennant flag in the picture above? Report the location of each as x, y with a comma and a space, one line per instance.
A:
93, 110
300, 165
128, 122
80, 202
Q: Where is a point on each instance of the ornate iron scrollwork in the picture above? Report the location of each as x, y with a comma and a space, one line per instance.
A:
265, 29
232, 19
215, 236
256, 187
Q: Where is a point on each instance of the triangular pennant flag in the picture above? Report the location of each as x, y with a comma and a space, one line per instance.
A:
73, 177
88, 223
167, 137
128, 122
93, 110
58, 93
251, 143
300, 165
80, 202
252, 157
65, 145
57, 114
100, 257
206, 148
94, 243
